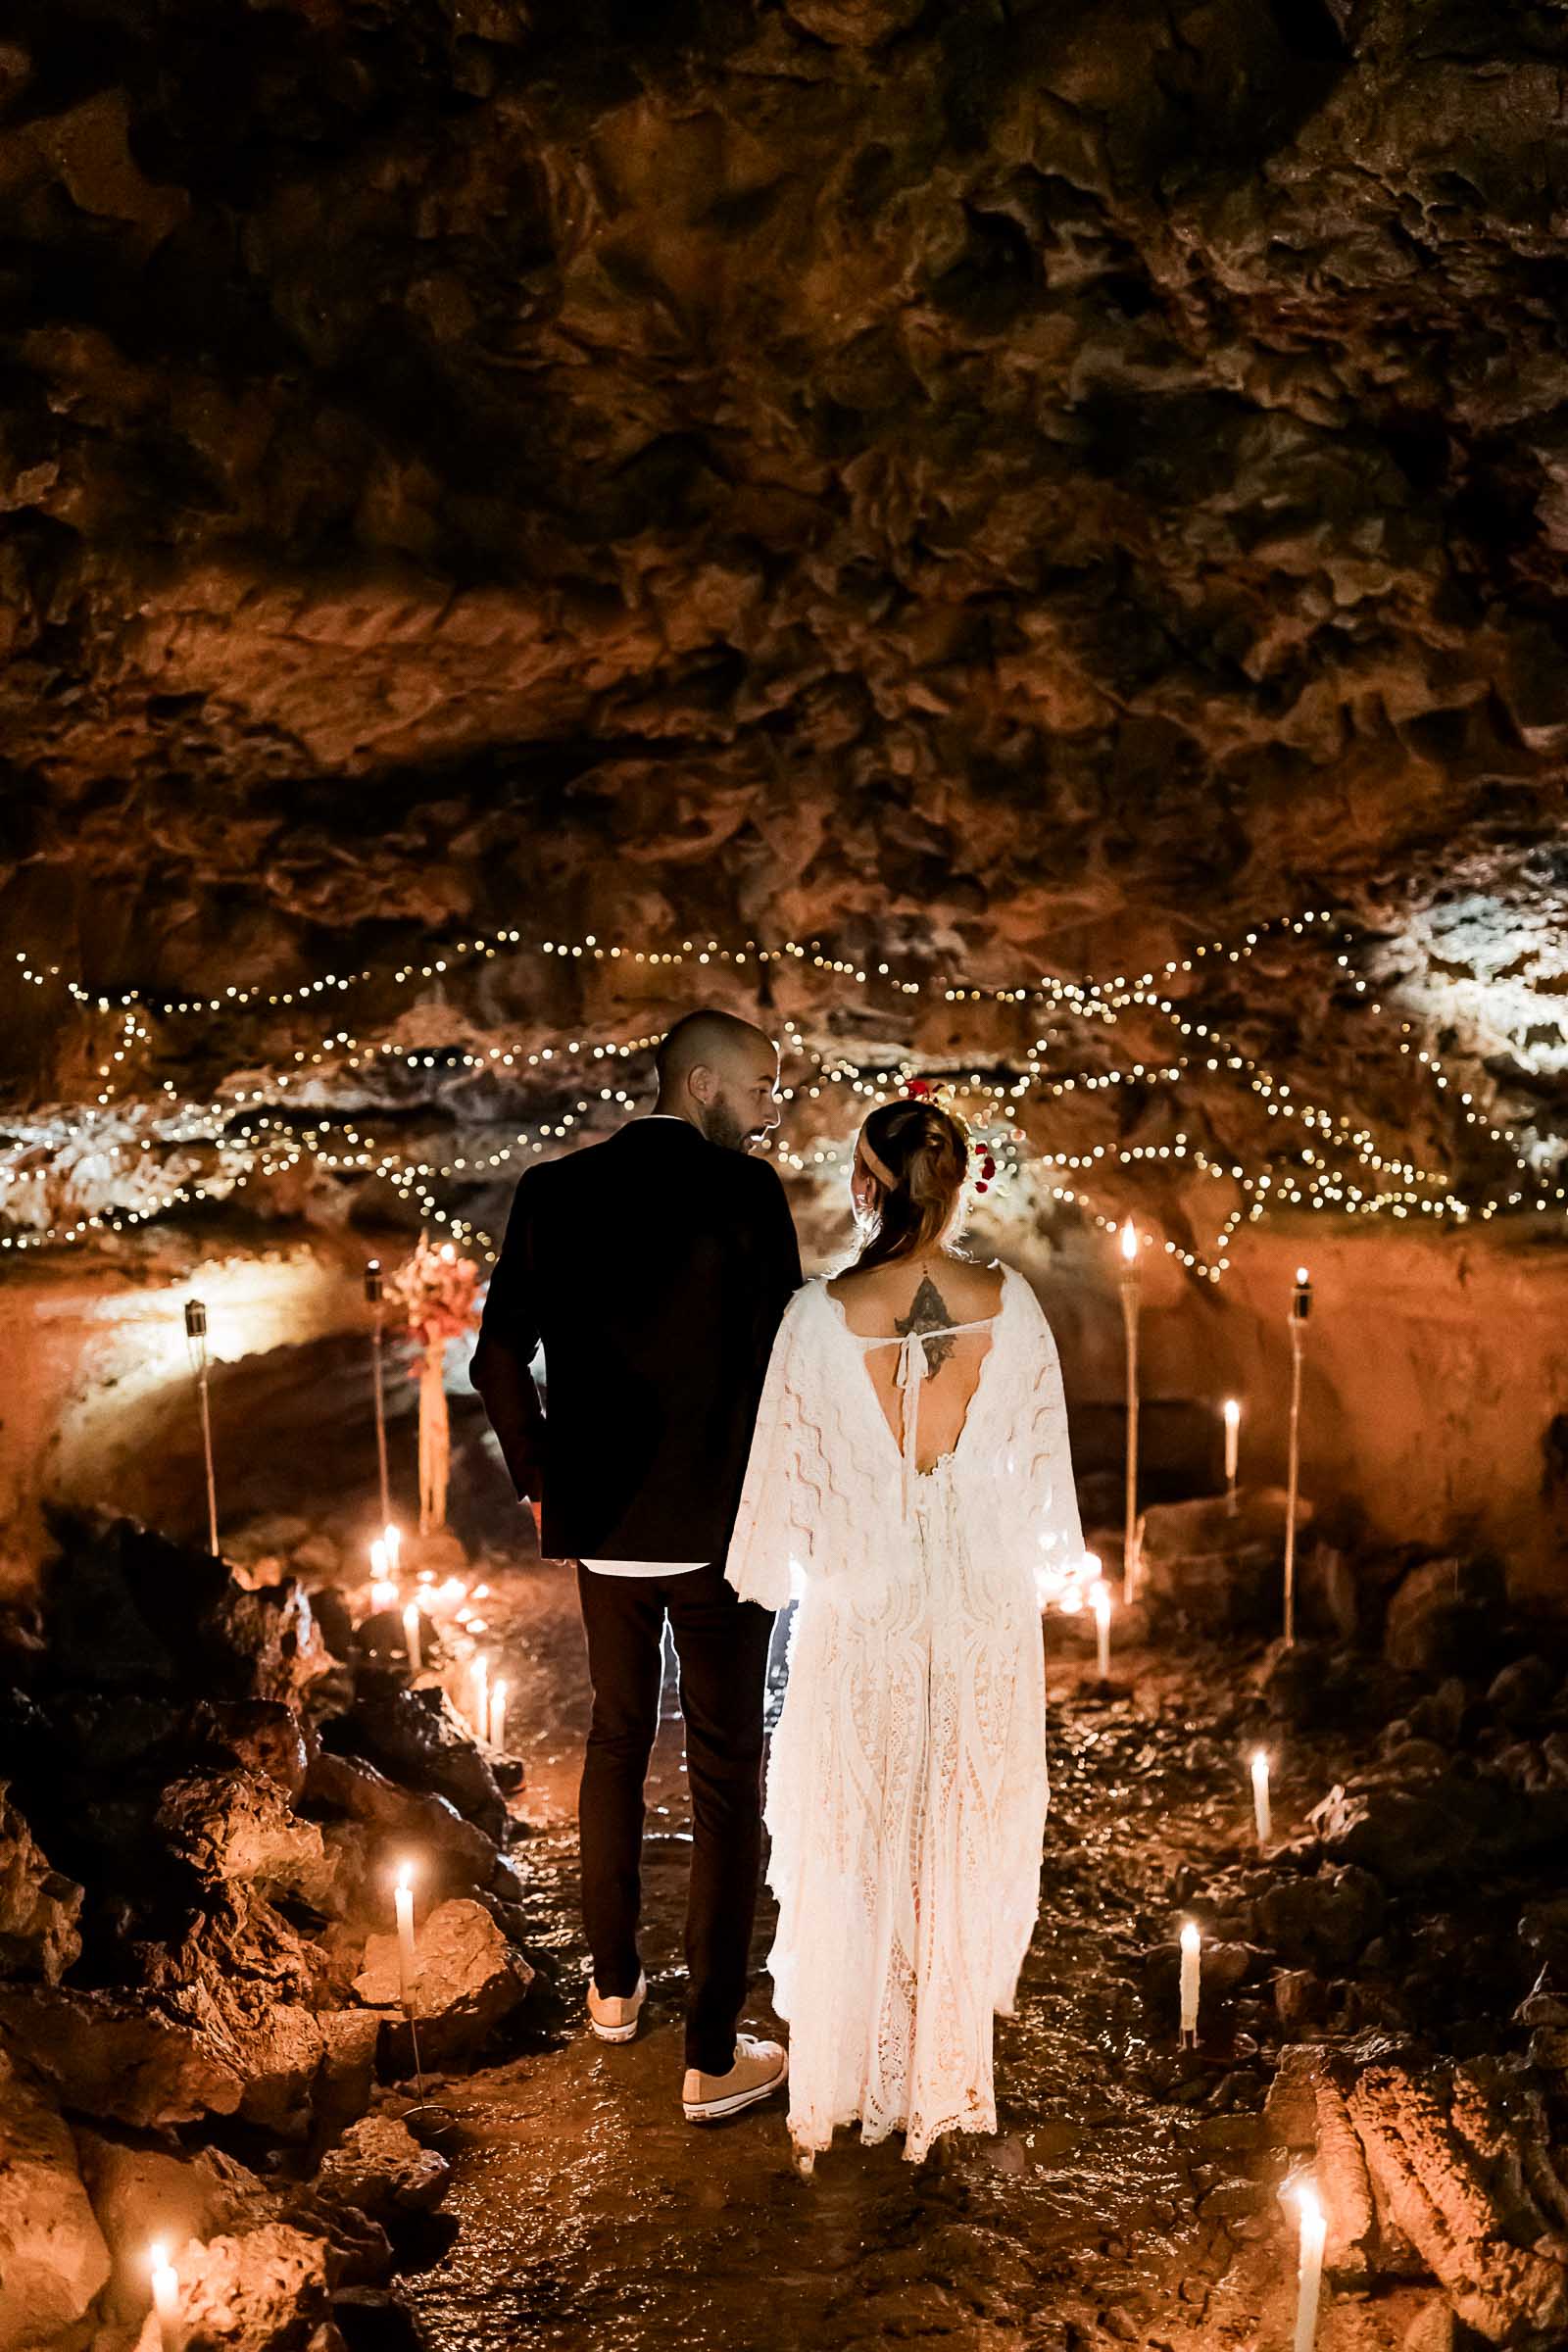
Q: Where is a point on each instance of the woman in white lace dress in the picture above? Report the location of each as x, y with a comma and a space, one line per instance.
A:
910, 1479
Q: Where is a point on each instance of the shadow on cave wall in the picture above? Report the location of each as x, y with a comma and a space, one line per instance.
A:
294, 1431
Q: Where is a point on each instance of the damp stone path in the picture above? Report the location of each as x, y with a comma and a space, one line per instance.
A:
1127, 2199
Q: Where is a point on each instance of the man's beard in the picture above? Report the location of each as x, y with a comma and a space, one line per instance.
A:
722, 1127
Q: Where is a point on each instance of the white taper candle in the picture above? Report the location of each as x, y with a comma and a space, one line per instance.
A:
410, 1637
1191, 1964
1260, 1805
1309, 2268
403, 1900
1100, 1596
498, 1715
166, 2295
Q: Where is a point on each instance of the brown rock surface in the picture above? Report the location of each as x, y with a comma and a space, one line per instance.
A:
239, 1825
1471, 2181
53, 2259
142, 2192
1215, 1568
114, 2059
1002, 494
263, 2291
467, 1979
380, 2167
39, 1907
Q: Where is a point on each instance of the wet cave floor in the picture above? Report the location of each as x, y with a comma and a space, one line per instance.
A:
1126, 2199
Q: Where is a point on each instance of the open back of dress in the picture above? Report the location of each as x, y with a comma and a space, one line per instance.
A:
924, 1371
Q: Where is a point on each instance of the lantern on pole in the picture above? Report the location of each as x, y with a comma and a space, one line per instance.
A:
375, 1298
1130, 1298
196, 1343
1300, 1308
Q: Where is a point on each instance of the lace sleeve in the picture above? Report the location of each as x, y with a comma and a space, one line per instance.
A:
1047, 1489
771, 1546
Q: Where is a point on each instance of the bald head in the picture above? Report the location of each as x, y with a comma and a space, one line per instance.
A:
720, 1073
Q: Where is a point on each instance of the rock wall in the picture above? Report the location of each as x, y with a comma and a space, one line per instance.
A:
987, 496
1433, 1397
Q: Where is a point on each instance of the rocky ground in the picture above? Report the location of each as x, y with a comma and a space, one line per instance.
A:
192, 2018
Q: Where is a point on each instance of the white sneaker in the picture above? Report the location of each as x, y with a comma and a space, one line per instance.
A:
761, 2068
613, 2016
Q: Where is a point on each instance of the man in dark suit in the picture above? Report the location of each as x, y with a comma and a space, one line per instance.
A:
655, 1267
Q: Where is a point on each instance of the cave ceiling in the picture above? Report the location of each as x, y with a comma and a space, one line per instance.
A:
1010, 493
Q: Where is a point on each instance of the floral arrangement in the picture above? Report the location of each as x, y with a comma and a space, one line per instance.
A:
435, 1289
921, 1090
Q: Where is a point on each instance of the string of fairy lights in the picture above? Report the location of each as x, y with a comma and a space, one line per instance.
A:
262, 1147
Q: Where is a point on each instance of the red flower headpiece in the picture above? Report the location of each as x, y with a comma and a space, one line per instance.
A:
988, 1169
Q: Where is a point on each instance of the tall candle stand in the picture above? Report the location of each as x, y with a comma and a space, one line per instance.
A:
375, 1297
1300, 1308
403, 1904
408, 1970
1130, 1288
196, 1342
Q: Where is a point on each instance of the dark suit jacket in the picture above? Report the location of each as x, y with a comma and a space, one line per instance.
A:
655, 1266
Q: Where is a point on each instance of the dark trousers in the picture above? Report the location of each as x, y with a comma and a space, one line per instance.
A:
722, 1644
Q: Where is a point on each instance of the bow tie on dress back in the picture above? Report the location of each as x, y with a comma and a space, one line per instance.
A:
909, 1379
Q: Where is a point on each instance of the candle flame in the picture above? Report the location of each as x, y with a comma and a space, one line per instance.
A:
1310, 2204
392, 1538
1192, 1935
1099, 1595
157, 2255
1259, 1759
1300, 1274
405, 1877
1233, 1410
1129, 1240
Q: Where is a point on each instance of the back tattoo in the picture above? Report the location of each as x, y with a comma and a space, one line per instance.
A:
929, 1311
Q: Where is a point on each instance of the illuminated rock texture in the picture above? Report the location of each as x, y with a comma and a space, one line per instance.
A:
998, 492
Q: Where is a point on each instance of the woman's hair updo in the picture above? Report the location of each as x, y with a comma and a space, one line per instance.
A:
925, 1150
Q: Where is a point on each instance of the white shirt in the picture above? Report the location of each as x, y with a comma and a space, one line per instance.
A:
646, 1567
